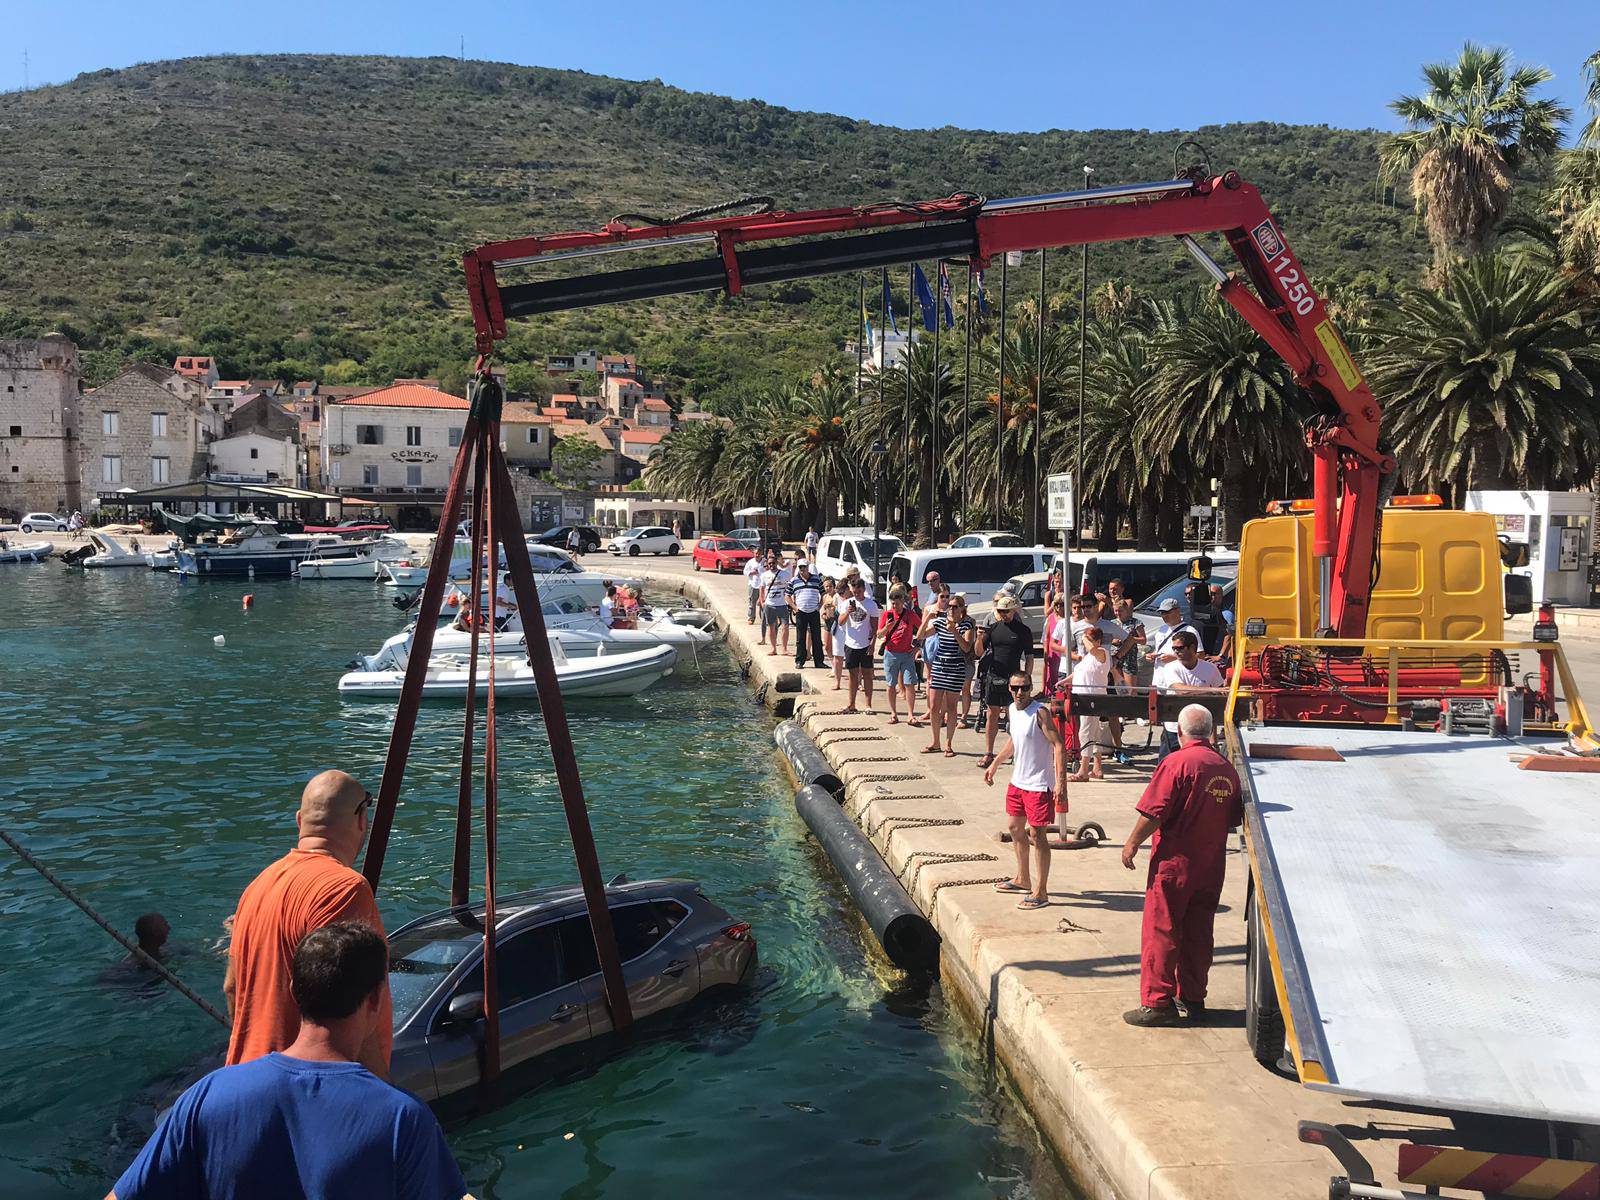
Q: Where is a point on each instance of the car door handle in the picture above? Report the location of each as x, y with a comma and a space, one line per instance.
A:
675, 968
566, 1012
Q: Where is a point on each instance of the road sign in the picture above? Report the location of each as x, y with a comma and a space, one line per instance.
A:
1200, 510
1058, 490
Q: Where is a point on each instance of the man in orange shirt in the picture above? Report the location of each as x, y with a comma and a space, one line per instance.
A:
312, 886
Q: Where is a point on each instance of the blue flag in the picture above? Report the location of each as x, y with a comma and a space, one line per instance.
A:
888, 303
930, 312
866, 321
946, 293
983, 303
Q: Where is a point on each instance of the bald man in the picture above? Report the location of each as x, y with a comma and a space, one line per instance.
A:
312, 886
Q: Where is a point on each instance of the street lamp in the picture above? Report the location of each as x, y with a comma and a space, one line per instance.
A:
877, 453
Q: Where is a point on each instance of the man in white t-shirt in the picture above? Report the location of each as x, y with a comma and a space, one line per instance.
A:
811, 546
858, 614
1159, 646
1038, 776
775, 603
752, 579
1186, 672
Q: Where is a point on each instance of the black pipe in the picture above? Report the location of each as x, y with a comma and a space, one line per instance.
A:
806, 761
905, 934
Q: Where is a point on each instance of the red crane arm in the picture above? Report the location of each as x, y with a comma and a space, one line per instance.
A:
768, 247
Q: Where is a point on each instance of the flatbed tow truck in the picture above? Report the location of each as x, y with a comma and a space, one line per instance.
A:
1421, 813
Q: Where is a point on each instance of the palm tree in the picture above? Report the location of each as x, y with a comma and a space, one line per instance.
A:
908, 475
815, 457
689, 460
1575, 200
1490, 380
1220, 403
1476, 124
1591, 131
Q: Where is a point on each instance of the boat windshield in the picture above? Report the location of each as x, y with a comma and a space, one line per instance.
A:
420, 958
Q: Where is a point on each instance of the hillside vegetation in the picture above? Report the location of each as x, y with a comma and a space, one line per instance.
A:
304, 216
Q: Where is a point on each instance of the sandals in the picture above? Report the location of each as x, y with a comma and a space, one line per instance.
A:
949, 753
894, 720
930, 749
851, 710
1009, 886
983, 763
1031, 902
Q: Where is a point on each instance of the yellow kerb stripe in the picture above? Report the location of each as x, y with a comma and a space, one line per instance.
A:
1333, 345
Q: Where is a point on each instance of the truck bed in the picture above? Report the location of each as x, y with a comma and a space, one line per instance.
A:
1437, 916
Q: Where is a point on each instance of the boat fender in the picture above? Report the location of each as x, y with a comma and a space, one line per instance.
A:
219, 640
907, 937
788, 681
809, 765
248, 600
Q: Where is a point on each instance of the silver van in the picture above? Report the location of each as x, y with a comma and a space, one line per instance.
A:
976, 573
1141, 571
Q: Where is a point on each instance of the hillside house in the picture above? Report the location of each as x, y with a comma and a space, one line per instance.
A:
392, 445
200, 367
256, 457
142, 429
525, 434
566, 364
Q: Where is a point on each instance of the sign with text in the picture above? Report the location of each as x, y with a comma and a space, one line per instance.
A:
1058, 493
414, 456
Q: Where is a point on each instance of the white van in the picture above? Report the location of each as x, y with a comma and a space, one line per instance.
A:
975, 573
840, 549
1141, 571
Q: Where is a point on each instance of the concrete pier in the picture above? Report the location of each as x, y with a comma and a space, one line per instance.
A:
1133, 1114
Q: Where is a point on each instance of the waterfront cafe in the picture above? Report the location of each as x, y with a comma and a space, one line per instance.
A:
221, 497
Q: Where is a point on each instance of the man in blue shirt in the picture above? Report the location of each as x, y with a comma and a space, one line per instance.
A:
309, 1122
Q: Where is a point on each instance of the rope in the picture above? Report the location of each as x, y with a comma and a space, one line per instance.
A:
130, 945
762, 204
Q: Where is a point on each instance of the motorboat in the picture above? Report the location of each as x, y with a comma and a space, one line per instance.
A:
108, 552
258, 550
555, 571
321, 565
162, 560
598, 675
11, 552
567, 620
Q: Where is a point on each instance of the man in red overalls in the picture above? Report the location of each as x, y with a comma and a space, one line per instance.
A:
1191, 803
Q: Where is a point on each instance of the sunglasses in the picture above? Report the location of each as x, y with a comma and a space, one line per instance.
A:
1019, 687
366, 799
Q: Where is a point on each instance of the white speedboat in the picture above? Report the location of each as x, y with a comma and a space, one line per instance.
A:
556, 572
576, 628
624, 674
11, 552
161, 560
111, 553
320, 566
256, 549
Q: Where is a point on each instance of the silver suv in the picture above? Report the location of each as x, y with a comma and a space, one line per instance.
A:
674, 942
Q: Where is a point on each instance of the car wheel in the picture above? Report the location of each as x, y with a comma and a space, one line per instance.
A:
696, 564
633, 550
673, 549
27, 529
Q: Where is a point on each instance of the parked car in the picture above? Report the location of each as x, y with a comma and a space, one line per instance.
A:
675, 945
985, 538
977, 573
758, 540
589, 538
1148, 610
719, 554
43, 523
1141, 571
645, 539
839, 549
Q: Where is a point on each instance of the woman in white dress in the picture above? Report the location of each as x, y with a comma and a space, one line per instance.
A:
1091, 673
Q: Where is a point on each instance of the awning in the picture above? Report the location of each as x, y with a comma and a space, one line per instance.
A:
761, 512
218, 489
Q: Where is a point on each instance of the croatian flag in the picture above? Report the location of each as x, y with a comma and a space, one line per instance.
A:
946, 296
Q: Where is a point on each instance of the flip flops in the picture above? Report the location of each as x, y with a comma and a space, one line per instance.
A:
1008, 886
1031, 902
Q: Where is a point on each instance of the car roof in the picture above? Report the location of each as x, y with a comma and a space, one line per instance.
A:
514, 908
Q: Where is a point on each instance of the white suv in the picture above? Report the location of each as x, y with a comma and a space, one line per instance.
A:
43, 523
645, 539
840, 549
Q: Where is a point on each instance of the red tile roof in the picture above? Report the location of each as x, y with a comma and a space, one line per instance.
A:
232, 383
516, 412
654, 405
577, 429
565, 399
641, 435
408, 395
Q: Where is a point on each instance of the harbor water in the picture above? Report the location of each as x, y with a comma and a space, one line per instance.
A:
153, 769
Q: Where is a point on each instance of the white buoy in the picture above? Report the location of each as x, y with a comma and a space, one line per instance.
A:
219, 640
251, 569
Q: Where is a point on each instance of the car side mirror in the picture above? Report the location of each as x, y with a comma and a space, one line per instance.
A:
1519, 594
464, 1009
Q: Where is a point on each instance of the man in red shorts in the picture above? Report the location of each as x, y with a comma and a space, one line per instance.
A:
1193, 800
1037, 775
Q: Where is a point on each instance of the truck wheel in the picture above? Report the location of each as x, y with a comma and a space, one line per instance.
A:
1263, 1022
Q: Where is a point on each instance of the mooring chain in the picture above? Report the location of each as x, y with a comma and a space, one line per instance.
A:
876, 778
934, 858
903, 822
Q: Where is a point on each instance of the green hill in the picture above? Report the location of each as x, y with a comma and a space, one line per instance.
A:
305, 216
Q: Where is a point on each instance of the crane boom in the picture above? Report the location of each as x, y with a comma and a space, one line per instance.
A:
1278, 302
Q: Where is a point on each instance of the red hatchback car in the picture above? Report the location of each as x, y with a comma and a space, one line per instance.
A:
720, 554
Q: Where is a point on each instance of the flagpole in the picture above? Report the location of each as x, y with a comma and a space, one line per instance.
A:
905, 424
1000, 406
931, 502
1038, 410
966, 403
1083, 333
861, 337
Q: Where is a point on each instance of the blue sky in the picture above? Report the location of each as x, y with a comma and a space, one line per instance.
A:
1001, 65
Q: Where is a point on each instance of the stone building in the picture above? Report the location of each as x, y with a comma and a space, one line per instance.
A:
141, 430
39, 388
393, 445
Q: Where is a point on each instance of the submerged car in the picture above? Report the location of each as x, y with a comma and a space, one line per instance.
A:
674, 942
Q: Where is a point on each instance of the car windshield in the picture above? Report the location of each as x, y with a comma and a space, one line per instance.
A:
1177, 589
420, 958
724, 544
636, 531
1004, 539
554, 531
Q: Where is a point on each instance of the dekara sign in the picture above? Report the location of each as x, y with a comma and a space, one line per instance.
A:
1058, 492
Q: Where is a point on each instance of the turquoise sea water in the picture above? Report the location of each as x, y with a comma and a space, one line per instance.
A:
153, 770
